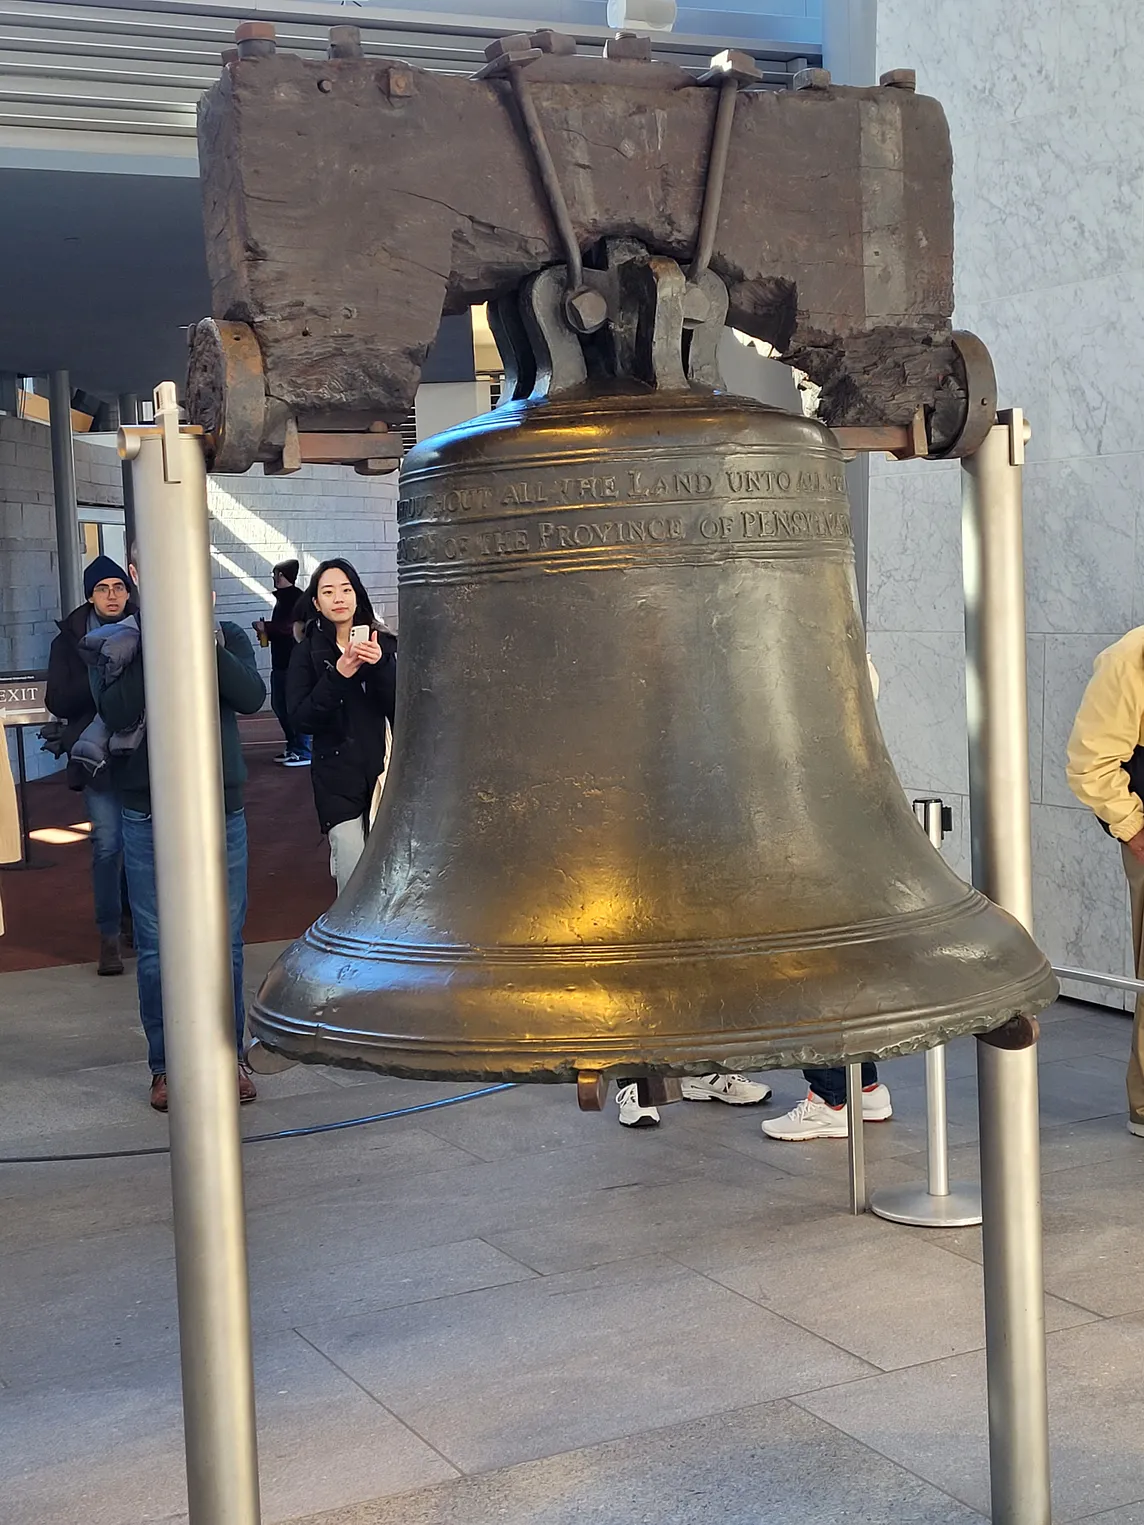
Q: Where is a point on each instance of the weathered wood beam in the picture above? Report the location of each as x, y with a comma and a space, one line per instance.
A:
350, 202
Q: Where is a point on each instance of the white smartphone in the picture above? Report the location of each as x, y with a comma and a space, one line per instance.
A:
359, 633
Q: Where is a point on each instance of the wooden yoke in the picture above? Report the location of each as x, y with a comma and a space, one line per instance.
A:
349, 202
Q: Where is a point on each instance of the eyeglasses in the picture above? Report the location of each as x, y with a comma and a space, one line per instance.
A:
109, 587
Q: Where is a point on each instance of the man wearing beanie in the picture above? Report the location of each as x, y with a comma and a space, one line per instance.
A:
279, 631
107, 589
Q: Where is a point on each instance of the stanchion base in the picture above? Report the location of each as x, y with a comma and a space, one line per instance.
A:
914, 1205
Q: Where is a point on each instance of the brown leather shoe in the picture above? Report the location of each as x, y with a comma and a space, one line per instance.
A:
110, 959
246, 1088
159, 1092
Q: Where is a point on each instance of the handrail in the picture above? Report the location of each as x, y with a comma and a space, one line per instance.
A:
1092, 977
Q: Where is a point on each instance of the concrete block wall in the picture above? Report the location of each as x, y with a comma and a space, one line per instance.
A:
29, 579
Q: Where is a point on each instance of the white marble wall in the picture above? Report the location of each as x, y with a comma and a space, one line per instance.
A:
1046, 115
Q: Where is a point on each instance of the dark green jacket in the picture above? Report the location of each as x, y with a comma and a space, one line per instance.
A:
240, 692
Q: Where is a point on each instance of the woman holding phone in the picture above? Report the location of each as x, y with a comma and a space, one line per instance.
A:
340, 690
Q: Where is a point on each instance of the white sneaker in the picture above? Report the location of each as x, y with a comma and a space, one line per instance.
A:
1135, 1127
632, 1115
876, 1107
735, 1090
811, 1118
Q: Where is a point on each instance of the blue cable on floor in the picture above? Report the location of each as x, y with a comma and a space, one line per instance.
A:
264, 1138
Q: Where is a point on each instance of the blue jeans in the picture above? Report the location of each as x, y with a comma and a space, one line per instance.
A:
830, 1084
106, 819
294, 742
139, 858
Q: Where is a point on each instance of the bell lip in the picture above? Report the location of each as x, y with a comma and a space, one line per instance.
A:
556, 1061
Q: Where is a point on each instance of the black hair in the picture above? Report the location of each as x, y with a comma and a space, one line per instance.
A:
363, 613
289, 570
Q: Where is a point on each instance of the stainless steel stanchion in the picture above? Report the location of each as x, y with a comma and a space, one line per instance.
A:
937, 1204
856, 1140
1006, 1059
198, 1000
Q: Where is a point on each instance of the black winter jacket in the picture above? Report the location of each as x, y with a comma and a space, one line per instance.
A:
240, 692
69, 695
346, 717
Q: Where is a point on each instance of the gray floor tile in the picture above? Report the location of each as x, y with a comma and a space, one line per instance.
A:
492, 1378
110, 1452
1094, 1251
1065, 1147
1067, 1036
1131, 1514
933, 1419
757, 1466
662, 1216
523, 1121
350, 1273
79, 1306
936, 1308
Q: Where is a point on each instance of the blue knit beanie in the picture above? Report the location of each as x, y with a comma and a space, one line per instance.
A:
103, 567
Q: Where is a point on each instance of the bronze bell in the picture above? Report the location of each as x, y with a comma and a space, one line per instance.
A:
640, 818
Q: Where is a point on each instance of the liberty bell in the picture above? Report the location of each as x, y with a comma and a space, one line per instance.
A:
640, 819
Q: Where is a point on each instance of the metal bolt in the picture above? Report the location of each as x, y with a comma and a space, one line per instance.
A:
397, 82
345, 42
549, 41
811, 79
255, 39
899, 79
732, 64
518, 42
629, 46
586, 310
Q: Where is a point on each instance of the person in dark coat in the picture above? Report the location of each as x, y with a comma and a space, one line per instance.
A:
341, 692
278, 630
108, 591
122, 704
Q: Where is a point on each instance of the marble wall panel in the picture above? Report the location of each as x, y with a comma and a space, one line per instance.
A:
1080, 543
922, 707
1049, 200
915, 550
1035, 683
1080, 895
1104, 41
1094, 395
1021, 344
985, 62
1068, 667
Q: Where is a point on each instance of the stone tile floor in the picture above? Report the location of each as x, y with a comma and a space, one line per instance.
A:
509, 1311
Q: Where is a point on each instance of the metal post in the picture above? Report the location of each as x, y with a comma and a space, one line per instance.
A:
937, 1205
22, 787
856, 1140
68, 557
179, 668
1006, 1060
128, 416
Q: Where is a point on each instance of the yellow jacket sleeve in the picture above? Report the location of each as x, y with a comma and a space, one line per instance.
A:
1105, 734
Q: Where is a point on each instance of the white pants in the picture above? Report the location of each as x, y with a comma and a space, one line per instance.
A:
347, 843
